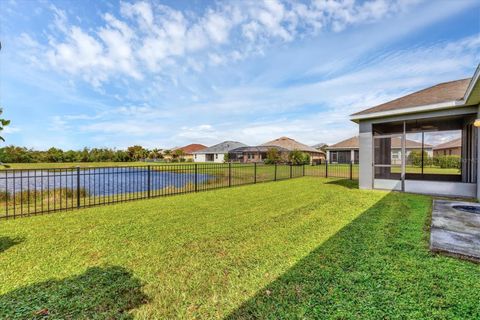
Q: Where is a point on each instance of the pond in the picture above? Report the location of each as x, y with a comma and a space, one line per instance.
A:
98, 181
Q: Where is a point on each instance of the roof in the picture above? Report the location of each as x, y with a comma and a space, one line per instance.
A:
442, 92
257, 149
191, 148
352, 143
319, 145
222, 147
291, 144
455, 143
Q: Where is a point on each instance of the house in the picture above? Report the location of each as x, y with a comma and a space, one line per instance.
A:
188, 150
449, 148
347, 151
316, 156
440, 109
255, 154
320, 146
217, 152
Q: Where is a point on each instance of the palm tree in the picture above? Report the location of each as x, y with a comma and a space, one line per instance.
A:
3, 123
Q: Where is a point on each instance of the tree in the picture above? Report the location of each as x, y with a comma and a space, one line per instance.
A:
3, 123
273, 156
297, 157
415, 158
178, 154
137, 153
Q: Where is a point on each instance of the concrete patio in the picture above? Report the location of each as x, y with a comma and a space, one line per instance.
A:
454, 231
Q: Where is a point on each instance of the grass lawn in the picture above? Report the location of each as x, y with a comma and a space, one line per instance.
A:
427, 170
302, 248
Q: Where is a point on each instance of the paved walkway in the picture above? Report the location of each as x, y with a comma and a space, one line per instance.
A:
455, 231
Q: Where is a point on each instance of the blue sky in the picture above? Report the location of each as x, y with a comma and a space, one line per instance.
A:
168, 73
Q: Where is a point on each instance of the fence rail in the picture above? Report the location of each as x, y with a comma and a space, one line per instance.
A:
25, 192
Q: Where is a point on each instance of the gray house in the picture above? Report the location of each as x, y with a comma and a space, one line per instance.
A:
449, 108
217, 152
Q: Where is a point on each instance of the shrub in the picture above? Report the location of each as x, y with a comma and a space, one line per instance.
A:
297, 157
448, 162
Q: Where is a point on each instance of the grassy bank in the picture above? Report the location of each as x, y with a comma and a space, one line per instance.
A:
302, 248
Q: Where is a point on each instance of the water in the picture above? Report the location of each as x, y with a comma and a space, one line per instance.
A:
98, 181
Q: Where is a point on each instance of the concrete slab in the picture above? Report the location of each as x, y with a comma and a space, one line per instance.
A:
454, 231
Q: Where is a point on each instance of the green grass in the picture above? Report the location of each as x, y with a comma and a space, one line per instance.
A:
427, 170
302, 248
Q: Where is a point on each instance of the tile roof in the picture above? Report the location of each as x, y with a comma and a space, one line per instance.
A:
222, 147
442, 92
191, 148
456, 143
291, 144
353, 143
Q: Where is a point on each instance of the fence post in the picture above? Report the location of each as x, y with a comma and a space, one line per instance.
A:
229, 174
351, 170
148, 180
303, 170
78, 186
275, 176
290, 171
254, 172
326, 168
195, 178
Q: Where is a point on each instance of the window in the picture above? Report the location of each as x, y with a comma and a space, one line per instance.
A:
216, 155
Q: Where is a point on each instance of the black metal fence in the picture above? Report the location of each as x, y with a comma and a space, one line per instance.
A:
25, 192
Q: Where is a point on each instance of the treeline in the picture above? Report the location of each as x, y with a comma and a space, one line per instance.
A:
13, 154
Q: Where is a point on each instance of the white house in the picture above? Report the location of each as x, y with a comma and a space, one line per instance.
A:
217, 152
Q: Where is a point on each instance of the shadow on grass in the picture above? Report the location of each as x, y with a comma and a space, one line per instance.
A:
376, 267
7, 242
99, 293
350, 184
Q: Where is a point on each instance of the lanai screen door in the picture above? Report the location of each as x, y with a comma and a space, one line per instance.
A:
389, 162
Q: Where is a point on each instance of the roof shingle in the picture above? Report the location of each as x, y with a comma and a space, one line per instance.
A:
442, 92
222, 147
191, 148
456, 143
291, 144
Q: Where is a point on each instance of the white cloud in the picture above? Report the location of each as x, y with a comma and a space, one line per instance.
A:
149, 39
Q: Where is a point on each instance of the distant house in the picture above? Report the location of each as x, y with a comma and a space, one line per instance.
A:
289, 144
255, 154
320, 146
347, 151
217, 152
188, 150
450, 148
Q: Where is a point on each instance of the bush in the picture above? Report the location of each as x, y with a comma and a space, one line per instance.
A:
273, 156
448, 162
297, 157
